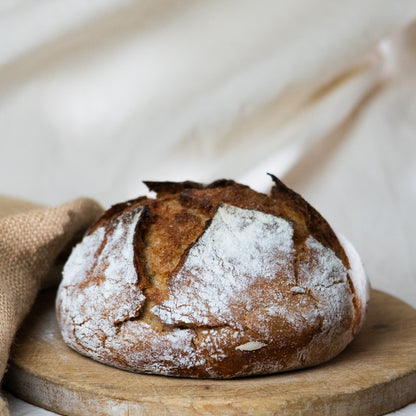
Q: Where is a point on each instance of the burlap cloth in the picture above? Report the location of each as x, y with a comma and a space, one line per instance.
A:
33, 241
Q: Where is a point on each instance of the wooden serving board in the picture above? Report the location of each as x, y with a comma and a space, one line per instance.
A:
374, 375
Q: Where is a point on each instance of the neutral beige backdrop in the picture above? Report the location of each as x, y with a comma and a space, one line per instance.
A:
96, 97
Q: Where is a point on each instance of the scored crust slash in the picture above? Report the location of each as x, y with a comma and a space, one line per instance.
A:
212, 281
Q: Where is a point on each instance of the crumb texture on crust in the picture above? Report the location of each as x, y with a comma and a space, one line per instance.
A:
209, 281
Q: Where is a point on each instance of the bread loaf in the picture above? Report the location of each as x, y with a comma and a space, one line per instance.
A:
212, 281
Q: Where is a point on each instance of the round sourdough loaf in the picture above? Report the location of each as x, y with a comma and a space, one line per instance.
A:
213, 281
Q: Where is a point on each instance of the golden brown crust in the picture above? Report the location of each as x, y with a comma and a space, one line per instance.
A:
298, 312
307, 218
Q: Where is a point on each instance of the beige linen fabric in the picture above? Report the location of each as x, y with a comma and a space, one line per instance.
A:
31, 238
114, 92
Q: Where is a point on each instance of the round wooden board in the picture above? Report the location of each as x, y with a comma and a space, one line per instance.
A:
374, 375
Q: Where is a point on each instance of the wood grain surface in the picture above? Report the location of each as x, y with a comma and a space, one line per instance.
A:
374, 375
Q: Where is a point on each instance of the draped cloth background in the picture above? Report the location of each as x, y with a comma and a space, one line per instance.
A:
97, 96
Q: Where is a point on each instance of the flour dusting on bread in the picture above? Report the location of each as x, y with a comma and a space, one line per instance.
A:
240, 250
110, 294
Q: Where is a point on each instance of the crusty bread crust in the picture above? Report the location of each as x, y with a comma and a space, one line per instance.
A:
213, 281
